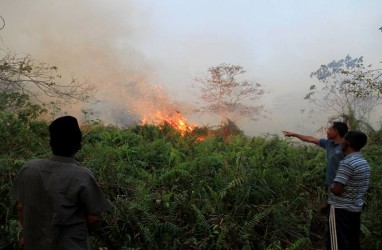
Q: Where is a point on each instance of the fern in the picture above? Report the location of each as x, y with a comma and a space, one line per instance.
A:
234, 184
171, 175
214, 202
175, 156
201, 222
221, 242
168, 228
140, 206
177, 204
148, 236
247, 228
299, 244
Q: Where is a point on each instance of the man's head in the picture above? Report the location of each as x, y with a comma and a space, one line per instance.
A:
65, 136
354, 141
338, 129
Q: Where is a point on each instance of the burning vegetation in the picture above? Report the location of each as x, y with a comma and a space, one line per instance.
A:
175, 120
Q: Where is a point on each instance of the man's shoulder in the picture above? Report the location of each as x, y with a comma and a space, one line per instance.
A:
34, 164
37, 161
325, 143
328, 143
76, 169
53, 165
355, 159
82, 170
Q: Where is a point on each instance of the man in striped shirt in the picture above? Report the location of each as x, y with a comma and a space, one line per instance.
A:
347, 193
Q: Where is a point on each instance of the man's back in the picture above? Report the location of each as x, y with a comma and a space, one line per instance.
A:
57, 195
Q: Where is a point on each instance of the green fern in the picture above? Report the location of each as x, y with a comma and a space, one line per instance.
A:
299, 244
223, 240
174, 174
148, 236
201, 222
234, 184
179, 201
168, 228
247, 228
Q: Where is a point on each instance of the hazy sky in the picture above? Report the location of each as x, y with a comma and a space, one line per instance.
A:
163, 45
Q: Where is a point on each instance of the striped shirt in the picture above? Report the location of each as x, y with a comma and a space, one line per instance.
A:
354, 174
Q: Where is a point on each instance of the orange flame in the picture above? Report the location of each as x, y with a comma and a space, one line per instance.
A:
176, 121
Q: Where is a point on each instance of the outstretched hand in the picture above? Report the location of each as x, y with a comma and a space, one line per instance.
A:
287, 133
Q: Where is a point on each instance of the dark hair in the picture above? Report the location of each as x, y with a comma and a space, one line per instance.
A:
341, 127
356, 139
65, 136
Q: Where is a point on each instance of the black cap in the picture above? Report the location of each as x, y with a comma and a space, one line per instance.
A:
65, 136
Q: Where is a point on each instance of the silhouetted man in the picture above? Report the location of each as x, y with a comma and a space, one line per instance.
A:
58, 199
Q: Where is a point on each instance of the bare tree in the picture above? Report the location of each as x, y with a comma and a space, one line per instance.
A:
39, 80
224, 94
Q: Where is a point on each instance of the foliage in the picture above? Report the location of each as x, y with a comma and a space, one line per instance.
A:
347, 87
20, 104
228, 128
224, 94
174, 192
374, 135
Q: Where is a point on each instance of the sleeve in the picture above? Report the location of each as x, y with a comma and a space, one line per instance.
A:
18, 185
343, 174
322, 143
93, 198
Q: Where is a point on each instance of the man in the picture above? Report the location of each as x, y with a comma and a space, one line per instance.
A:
57, 199
346, 196
332, 144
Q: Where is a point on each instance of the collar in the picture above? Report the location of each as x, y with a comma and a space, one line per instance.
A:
63, 159
334, 143
338, 142
353, 154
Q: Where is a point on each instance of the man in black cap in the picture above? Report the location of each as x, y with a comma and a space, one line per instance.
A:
58, 200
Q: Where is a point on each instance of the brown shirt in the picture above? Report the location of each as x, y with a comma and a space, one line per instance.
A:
57, 196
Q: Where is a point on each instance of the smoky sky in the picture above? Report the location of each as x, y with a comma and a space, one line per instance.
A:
93, 41
144, 55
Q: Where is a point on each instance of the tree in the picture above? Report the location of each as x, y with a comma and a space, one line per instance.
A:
27, 76
38, 80
347, 87
19, 104
224, 94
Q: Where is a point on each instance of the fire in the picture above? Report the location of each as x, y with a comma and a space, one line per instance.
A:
176, 121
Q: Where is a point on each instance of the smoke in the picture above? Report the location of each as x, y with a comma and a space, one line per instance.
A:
132, 50
94, 41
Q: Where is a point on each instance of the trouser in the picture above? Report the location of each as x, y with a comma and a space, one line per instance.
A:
344, 228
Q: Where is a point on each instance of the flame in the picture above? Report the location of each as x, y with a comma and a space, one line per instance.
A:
176, 121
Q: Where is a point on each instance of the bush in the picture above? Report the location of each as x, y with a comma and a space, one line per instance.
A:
173, 192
